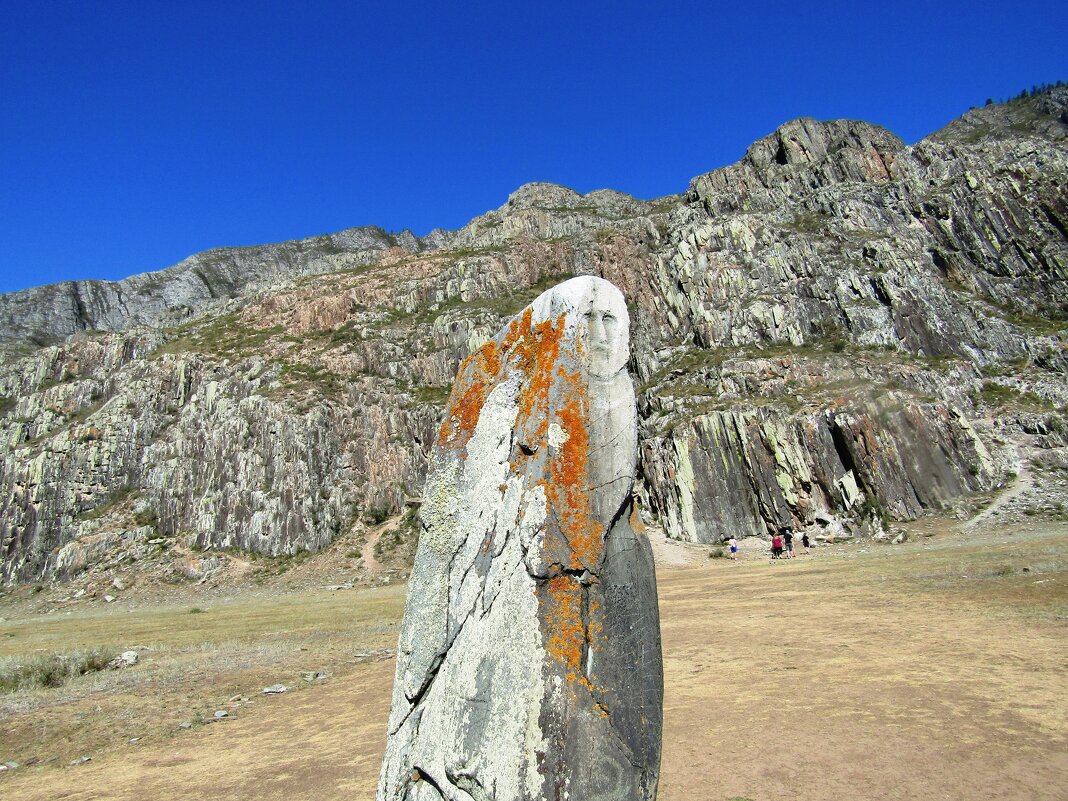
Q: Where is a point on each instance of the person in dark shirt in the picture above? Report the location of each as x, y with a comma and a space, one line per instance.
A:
788, 538
804, 542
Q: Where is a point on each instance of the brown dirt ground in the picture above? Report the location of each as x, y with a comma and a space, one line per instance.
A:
932, 670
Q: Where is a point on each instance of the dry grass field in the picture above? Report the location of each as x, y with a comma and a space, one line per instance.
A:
930, 670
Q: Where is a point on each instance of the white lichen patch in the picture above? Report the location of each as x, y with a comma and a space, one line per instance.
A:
557, 435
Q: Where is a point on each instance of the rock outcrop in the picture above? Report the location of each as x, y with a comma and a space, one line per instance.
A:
529, 660
837, 308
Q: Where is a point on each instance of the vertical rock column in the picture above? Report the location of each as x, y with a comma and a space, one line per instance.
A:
529, 663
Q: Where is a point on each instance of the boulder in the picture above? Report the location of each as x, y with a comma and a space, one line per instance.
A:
124, 660
529, 662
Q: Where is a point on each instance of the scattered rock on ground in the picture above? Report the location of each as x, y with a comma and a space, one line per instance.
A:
124, 660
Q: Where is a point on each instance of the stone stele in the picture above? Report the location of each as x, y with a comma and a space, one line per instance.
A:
529, 662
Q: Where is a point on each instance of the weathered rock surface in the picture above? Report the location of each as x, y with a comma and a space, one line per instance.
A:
529, 661
837, 307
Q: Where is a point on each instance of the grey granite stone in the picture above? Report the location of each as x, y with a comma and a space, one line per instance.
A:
529, 662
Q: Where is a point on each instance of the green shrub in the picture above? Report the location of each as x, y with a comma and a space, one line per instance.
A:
378, 514
52, 670
146, 518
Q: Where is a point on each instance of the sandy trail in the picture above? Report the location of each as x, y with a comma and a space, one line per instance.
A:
1023, 482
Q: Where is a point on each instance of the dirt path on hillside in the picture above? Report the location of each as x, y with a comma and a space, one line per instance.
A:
1023, 482
368, 559
816, 679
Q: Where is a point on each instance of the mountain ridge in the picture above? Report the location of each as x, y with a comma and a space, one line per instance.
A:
835, 331
79, 305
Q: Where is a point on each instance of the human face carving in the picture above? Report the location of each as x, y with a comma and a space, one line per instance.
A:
598, 313
602, 334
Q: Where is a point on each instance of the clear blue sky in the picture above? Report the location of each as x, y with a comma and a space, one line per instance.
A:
133, 134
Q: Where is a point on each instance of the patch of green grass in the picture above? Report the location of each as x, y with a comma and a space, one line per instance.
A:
664, 205
196, 610
999, 396
225, 336
65, 377
465, 253
572, 210
808, 222
434, 396
281, 564
348, 334
1006, 368
85, 413
146, 518
1037, 324
117, 497
974, 134
362, 269
53, 670
296, 375
942, 363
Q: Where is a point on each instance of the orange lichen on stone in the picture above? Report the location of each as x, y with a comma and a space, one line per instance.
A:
535, 353
548, 393
566, 633
568, 485
478, 374
574, 540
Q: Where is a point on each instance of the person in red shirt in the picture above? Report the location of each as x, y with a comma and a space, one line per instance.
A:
776, 547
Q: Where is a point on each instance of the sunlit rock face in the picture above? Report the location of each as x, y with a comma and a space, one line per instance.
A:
529, 663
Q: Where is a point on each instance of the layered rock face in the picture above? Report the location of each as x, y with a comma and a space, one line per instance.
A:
529, 660
836, 328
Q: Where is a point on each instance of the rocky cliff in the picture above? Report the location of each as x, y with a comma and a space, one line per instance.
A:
835, 330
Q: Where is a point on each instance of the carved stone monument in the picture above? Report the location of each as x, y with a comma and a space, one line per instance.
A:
529, 663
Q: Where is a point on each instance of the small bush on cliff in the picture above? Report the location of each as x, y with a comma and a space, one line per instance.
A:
146, 518
872, 510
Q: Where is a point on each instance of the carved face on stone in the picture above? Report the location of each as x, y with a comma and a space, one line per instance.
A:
599, 313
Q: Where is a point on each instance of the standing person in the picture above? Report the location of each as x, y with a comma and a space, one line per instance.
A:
733, 543
776, 547
788, 538
805, 543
